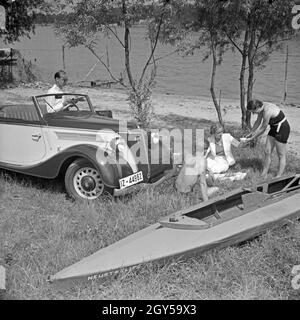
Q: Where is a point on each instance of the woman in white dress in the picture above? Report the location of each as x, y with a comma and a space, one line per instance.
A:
219, 155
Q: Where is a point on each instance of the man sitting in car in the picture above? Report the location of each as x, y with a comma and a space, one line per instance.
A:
54, 103
58, 101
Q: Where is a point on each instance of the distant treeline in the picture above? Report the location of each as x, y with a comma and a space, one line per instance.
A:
42, 18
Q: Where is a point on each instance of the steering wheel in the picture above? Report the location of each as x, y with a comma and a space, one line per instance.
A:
72, 104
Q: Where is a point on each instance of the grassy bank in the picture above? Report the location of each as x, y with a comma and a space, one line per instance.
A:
42, 232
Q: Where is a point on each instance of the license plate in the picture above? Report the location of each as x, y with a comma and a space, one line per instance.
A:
131, 180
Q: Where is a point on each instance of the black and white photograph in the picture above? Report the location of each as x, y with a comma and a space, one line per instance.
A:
149, 151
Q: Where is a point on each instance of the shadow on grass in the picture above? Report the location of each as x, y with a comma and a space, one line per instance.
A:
244, 163
54, 185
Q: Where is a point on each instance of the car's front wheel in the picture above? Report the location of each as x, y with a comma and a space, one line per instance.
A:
83, 181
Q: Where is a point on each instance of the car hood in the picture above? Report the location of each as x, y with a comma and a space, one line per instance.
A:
84, 120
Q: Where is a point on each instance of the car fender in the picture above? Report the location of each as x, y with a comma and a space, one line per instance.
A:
110, 171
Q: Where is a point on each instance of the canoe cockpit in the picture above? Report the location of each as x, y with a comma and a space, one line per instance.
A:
232, 205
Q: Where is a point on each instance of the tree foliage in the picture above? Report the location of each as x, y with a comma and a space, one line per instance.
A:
20, 17
255, 28
193, 27
209, 23
90, 19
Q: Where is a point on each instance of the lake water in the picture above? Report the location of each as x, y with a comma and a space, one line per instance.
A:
176, 75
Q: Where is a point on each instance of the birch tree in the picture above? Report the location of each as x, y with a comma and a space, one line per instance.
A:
206, 20
89, 18
257, 28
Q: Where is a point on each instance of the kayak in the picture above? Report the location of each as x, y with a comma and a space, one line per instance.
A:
229, 219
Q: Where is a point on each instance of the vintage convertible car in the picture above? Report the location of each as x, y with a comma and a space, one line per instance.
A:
95, 153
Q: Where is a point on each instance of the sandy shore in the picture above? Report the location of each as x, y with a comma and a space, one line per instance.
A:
194, 107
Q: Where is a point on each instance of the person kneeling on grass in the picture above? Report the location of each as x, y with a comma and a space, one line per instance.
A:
193, 170
219, 155
270, 114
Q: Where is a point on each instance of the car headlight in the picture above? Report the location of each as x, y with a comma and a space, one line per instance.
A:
155, 137
118, 143
121, 144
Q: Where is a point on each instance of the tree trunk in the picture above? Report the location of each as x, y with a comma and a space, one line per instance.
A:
249, 93
250, 74
242, 79
250, 83
126, 45
212, 85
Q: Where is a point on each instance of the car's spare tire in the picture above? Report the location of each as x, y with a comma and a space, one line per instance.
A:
83, 181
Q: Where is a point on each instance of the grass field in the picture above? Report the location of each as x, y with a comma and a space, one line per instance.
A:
41, 232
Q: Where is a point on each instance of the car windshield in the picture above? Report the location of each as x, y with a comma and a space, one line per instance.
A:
62, 102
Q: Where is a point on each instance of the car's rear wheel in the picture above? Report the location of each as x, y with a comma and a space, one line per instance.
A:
83, 181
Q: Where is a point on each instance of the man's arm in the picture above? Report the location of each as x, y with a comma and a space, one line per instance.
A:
56, 104
203, 186
201, 165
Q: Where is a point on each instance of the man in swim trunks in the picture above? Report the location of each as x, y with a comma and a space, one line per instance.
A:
194, 170
270, 114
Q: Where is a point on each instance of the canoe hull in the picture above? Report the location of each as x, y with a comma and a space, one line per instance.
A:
157, 243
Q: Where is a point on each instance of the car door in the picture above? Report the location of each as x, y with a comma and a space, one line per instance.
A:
21, 140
